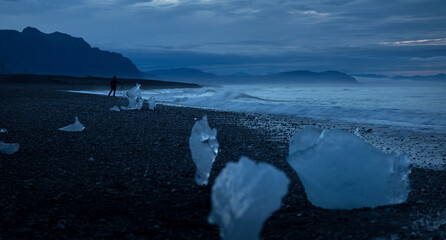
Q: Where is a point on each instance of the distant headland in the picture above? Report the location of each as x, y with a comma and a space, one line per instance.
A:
34, 52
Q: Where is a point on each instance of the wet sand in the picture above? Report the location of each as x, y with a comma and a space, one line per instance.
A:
129, 174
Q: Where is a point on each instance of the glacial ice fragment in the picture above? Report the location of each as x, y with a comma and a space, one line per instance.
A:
114, 108
305, 139
244, 195
152, 103
3, 130
134, 97
203, 145
75, 127
9, 148
341, 171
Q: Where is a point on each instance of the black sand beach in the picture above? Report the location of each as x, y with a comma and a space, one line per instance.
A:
140, 181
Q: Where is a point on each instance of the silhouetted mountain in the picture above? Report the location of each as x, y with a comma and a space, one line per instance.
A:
188, 75
180, 72
370, 75
240, 74
32, 51
304, 76
200, 77
437, 78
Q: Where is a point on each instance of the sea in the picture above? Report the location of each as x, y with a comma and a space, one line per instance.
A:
420, 108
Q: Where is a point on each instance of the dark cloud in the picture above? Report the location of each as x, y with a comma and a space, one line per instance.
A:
262, 35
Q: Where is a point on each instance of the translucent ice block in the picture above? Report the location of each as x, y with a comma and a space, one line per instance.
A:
9, 148
134, 97
203, 145
341, 171
244, 195
114, 108
75, 127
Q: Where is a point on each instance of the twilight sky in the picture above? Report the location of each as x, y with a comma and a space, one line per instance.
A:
226, 36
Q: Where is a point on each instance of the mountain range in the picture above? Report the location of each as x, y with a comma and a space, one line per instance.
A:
426, 78
300, 77
34, 52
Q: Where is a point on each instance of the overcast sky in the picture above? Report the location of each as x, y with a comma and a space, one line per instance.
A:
227, 36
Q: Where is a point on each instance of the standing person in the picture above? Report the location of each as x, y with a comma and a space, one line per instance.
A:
113, 86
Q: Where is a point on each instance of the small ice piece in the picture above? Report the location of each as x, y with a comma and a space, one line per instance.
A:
75, 127
91, 159
244, 195
152, 103
203, 145
340, 171
115, 108
357, 133
3, 130
9, 148
134, 97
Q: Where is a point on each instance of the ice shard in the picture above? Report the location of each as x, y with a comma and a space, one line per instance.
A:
75, 127
244, 195
152, 103
134, 97
115, 108
203, 145
3, 130
340, 171
9, 148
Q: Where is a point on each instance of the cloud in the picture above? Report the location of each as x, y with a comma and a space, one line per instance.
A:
156, 3
357, 34
436, 41
308, 12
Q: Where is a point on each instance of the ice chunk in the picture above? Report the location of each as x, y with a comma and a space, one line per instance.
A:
75, 127
341, 171
152, 103
306, 138
3, 130
244, 195
134, 97
203, 145
357, 133
9, 148
114, 108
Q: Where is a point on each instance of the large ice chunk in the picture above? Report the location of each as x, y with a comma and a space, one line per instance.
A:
203, 145
134, 97
9, 148
304, 139
152, 103
244, 195
75, 127
341, 171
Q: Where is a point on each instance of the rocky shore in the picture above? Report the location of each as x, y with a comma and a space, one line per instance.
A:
129, 174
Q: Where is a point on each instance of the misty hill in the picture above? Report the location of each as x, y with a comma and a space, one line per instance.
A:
427, 78
438, 77
371, 75
180, 73
302, 76
34, 52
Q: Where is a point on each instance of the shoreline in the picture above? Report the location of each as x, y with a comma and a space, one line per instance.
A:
422, 147
140, 184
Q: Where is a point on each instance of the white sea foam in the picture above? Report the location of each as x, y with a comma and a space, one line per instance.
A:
422, 108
